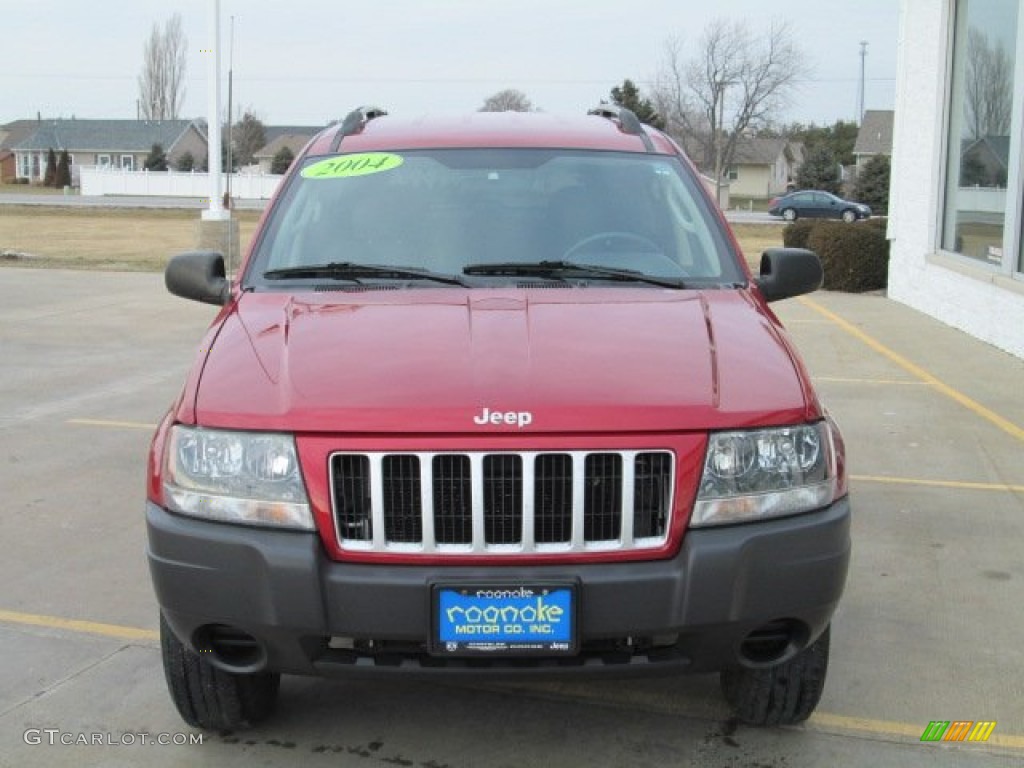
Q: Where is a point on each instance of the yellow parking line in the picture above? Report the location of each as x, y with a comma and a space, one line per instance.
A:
822, 722
828, 723
112, 424
849, 380
959, 484
915, 370
77, 625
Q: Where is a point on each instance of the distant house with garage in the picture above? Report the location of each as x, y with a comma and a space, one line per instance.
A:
121, 144
762, 168
292, 141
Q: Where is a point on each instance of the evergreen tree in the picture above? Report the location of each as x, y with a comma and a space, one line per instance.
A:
282, 160
156, 160
872, 186
50, 175
186, 162
628, 96
820, 170
63, 178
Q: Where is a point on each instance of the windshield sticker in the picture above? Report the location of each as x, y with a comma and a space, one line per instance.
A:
345, 166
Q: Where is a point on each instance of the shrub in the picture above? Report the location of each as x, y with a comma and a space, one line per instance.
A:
156, 160
855, 257
795, 235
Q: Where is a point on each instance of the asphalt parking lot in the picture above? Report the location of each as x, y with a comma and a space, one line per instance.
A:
930, 627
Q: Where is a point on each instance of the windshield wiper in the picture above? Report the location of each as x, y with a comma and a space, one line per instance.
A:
570, 269
347, 270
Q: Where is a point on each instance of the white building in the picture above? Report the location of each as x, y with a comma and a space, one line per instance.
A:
957, 203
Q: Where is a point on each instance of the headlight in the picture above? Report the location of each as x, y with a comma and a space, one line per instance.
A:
236, 477
758, 474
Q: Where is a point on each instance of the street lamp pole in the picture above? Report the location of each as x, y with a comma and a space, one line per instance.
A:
216, 210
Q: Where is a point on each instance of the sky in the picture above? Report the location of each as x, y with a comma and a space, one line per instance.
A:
306, 62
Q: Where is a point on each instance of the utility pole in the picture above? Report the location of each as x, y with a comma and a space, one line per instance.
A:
216, 210
860, 91
231, 68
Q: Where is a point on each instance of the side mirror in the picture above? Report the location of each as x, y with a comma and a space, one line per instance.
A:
787, 272
198, 275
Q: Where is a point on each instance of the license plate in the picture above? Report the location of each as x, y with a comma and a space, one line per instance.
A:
504, 620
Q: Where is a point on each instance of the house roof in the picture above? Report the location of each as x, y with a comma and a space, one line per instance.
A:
875, 134
294, 142
105, 135
14, 132
758, 151
271, 132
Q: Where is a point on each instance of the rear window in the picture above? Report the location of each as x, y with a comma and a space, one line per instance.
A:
444, 209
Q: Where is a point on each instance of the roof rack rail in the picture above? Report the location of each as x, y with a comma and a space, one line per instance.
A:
354, 122
628, 121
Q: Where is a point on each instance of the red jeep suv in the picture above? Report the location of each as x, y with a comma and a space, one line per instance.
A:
495, 395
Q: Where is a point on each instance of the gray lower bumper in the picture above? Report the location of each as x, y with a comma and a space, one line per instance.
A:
282, 589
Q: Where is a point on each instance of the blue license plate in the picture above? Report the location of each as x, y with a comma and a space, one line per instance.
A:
504, 620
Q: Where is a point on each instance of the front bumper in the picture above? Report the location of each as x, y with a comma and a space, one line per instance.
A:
692, 612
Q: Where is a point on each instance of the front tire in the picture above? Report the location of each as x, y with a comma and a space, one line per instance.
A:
789, 214
781, 695
210, 698
849, 216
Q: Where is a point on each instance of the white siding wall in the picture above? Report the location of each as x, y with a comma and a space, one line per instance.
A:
964, 295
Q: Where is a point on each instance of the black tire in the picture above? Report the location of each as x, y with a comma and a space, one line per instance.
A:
789, 214
781, 695
210, 698
849, 216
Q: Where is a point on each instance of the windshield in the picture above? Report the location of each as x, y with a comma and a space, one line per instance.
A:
449, 209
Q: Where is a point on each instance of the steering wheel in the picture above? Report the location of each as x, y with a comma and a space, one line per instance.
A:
650, 246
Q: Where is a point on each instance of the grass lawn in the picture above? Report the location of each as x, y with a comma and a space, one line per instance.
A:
116, 238
144, 239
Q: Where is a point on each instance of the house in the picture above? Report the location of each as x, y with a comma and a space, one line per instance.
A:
11, 134
293, 141
762, 168
955, 229
106, 143
874, 136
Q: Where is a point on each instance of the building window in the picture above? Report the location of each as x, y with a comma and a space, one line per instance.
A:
982, 128
127, 162
732, 174
24, 166
103, 161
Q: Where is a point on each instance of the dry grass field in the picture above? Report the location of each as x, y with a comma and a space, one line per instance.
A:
143, 239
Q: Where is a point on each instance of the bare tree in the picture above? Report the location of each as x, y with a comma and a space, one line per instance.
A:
508, 100
988, 97
735, 82
162, 82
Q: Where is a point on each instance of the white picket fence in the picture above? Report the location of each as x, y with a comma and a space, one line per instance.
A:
96, 180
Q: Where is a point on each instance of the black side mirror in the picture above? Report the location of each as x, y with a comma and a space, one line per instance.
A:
198, 275
787, 272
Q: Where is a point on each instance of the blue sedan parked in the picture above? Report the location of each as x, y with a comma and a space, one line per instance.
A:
815, 204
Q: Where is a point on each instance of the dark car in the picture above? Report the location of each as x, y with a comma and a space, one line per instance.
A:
815, 204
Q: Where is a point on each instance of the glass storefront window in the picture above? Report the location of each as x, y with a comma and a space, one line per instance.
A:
981, 123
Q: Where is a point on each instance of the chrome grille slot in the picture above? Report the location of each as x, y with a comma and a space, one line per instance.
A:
602, 501
453, 511
501, 503
552, 498
403, 518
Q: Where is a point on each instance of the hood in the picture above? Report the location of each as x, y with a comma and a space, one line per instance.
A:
497, 361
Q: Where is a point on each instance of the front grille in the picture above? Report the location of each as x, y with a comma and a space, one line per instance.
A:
502, 503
